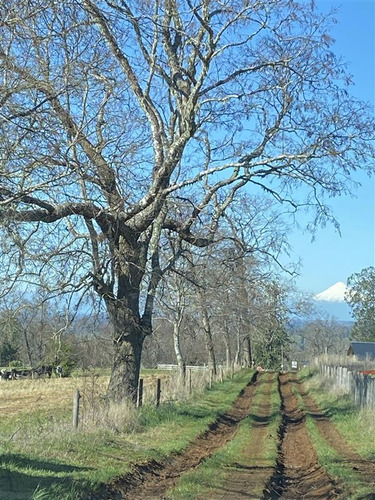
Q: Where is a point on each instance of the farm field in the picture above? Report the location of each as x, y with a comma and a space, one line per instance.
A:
43, 394
261, 436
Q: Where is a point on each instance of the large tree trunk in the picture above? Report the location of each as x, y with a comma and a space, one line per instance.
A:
129, 328
126, 366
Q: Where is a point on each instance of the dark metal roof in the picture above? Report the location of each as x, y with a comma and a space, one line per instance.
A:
363, 349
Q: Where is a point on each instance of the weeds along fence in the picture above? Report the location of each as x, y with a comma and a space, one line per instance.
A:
359, 386
165, 386
172, 387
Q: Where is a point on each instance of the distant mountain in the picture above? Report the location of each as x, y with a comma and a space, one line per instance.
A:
332, 301
335, 293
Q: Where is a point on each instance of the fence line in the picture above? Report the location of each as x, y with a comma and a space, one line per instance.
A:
359, 386
197, 378
194, 368
157, 390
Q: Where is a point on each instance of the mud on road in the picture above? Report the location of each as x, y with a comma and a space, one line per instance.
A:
297, 473
152, 480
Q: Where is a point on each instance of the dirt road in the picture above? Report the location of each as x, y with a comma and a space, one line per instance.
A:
297, 473
153, 480
252, 469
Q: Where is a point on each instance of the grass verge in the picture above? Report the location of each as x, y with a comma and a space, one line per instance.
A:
353, 488
42, 457
349, 422
358, 426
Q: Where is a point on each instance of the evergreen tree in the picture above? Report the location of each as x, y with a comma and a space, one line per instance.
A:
361, 298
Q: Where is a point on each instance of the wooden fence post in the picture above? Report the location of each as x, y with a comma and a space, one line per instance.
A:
76, 399
140, 393
221, 374
189, 380
158, 391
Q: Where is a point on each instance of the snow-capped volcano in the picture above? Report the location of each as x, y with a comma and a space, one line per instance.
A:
334, 293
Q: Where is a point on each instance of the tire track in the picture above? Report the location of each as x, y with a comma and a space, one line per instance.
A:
253, 471
364, 468
152, 480
298, 473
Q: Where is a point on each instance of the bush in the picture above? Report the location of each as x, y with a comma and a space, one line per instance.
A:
62, 354
15, 364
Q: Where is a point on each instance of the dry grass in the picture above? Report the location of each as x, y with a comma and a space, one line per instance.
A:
173, 388
22, 396
24, 403
42, 454
351, 362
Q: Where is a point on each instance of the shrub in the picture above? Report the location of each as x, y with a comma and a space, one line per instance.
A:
15, 364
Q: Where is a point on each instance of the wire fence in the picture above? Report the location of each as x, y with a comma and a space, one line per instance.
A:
164, 386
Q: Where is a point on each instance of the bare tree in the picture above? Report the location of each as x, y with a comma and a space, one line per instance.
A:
38, 326
114, 113
194, 282
174, 298
323, 335
256, 232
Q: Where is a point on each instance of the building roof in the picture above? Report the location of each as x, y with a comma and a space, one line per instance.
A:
362, 349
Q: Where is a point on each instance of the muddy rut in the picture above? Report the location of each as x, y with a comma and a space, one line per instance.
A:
363, 468
298, 473
152, 480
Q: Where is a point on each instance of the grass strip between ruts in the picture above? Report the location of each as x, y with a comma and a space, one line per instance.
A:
211, 475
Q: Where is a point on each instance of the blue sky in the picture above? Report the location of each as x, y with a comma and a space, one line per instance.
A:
331, 257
